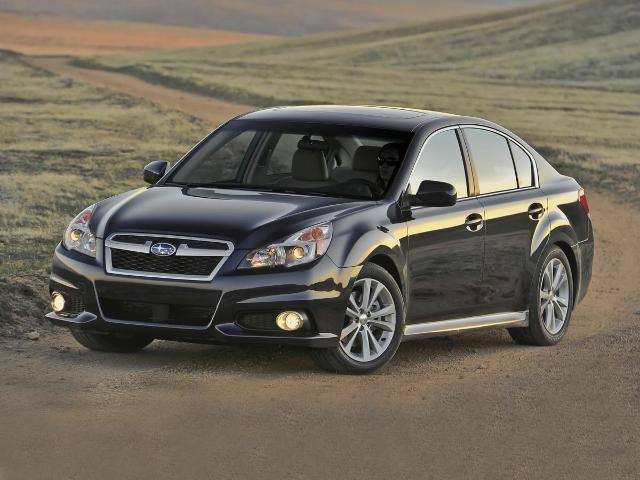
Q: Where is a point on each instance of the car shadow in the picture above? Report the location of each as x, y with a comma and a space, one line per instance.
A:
419, 356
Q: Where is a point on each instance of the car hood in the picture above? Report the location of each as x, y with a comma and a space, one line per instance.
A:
249, 219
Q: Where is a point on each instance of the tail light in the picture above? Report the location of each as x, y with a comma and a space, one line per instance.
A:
582, 198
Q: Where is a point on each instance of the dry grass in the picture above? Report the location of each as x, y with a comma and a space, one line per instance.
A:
65, 145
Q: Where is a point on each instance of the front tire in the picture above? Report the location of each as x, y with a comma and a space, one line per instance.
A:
110, 342
373, 325
551, 302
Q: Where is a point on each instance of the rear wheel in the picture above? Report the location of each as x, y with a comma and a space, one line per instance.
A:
111, 342
373, 325
551, 302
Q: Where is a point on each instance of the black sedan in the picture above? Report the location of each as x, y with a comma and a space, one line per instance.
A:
345, 229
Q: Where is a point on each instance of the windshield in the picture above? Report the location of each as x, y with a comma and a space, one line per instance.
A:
302, 158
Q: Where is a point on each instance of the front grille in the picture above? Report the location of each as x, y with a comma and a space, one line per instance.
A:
146, 262
193, 258
159, 313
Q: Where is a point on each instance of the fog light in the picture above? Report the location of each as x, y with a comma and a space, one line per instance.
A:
57, 302
290, 321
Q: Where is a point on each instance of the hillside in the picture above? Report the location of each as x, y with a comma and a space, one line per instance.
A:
42, 34
554, 73
590, 42
272, 17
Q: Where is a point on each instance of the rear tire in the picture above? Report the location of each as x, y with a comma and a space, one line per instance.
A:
110, 342
373, 326
550, 302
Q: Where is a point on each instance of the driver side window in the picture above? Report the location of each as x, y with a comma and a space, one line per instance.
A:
441, 159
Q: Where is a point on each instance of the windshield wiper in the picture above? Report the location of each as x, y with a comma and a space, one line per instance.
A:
262, 188
207, 185
290, 190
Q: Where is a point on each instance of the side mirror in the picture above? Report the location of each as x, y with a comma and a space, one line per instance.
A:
154, 171
435, 194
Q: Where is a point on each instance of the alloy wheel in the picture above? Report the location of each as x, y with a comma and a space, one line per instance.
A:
370, 321
554, 296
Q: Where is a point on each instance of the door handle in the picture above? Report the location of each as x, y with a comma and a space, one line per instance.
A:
474, 222
535, 211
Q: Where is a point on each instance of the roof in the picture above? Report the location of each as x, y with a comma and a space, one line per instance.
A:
395, 118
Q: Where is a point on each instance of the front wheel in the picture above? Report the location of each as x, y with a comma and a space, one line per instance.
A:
111, 342
373, 325
551, 302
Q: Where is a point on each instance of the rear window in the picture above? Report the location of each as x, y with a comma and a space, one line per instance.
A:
492, 160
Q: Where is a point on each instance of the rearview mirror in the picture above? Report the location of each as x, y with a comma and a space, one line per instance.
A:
154, 171
435, 194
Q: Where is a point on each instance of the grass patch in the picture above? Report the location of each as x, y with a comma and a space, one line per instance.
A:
65, 145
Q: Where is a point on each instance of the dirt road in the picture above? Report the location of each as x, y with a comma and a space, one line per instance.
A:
207, 108
470, 406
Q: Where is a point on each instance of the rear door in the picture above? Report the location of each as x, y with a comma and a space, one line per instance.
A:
445, 243
514, 208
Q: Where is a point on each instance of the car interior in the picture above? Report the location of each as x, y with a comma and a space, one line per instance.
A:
323, 164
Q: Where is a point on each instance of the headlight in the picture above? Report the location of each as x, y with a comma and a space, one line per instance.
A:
303, 247
78, 237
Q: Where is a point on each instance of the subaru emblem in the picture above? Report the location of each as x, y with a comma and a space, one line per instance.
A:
163, 249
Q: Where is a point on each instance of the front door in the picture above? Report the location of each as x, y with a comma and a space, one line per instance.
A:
446, 244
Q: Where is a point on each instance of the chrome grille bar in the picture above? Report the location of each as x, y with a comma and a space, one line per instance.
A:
183, 250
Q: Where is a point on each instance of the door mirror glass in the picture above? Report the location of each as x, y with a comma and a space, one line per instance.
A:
435, 194
154, 171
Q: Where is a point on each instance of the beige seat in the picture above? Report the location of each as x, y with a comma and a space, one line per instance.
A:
365, 165
308, 169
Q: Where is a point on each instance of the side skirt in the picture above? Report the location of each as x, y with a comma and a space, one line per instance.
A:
459, 325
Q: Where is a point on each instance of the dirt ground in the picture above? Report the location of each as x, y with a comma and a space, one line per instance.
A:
207, 108
475, 405
43, 34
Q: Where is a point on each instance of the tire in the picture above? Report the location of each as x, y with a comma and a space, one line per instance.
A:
109, 342
383, 332
544, 330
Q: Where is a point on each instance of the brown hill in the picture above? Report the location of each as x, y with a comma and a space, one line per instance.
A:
272, 17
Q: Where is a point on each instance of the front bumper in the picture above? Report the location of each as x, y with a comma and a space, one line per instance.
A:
320, 291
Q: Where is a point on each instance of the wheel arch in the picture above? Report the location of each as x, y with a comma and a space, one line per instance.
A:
386, 262
573, 262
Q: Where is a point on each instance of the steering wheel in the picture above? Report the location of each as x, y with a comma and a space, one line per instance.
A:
376, 190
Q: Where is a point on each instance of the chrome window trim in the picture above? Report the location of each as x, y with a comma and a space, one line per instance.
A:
161, 325
431, 135
508, 137
472, 125
182, 250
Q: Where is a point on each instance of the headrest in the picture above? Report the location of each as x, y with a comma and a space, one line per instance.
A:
306, 143
309, 165
365, 158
